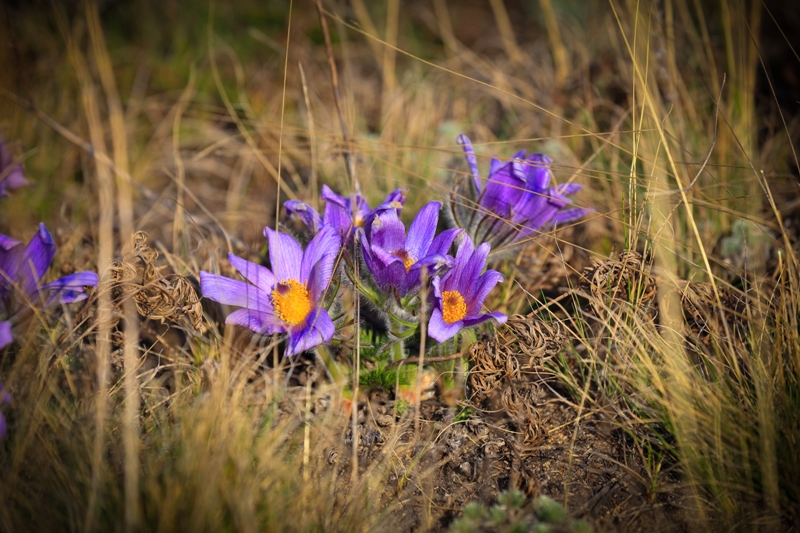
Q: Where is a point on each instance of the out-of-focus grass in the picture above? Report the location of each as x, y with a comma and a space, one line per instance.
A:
633, 121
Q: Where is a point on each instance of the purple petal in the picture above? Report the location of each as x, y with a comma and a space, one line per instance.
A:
317, 329
359, 208
36, 260
537, 172
397, 195
568, 215
70, 289
503, 190
452, 279
394, 206
78, 280
321, 254
436, 283
6, 337
377, 269
256, 274
387, 269
261, 323
494, 165
10, 257
433, 264
338, 217
471, 270
307, 214
388, 232
518, 164
331, 197
470, 321
543, 217
14, 180
422, 230
441, 244
285, 255
6, 242
567, 189
472, 161
385, 257
233, 292
440, 330
483, 287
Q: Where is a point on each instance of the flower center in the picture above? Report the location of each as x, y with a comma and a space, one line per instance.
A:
407, 259
453, 306
291, 301
358, 221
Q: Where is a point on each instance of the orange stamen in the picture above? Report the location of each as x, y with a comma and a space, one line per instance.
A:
407, 259
291, 301
453, 306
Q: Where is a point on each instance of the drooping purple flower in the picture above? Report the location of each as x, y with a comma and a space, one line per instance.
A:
516, 200
396, 260
11, 176
21, 271
286, 299
344, 214
458, 296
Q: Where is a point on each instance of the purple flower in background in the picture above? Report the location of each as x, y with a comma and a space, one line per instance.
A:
344, 214
21, 271
396, 261
515, 201
6, 336
458, 295
286, 299
11, 176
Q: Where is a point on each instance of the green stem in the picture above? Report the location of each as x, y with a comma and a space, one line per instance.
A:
370, 294
406, 323
397, 351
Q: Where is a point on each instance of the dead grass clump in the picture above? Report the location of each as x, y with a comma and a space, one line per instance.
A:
624, 283
157, 297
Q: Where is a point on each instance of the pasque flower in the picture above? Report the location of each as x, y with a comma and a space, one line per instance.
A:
396, 260
344, 214
21, 271
11, 176
458, 296
515, 201
286, 299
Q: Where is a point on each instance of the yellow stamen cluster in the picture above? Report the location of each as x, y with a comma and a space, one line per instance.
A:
291, 301
407, 259
453, 306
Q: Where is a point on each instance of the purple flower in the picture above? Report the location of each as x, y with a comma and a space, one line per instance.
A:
286, 299
458, 295
344, 214
396, 261
516, 200
21, 271
11, 176
6, 337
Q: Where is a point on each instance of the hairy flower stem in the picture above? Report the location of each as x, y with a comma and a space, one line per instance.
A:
398, 351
